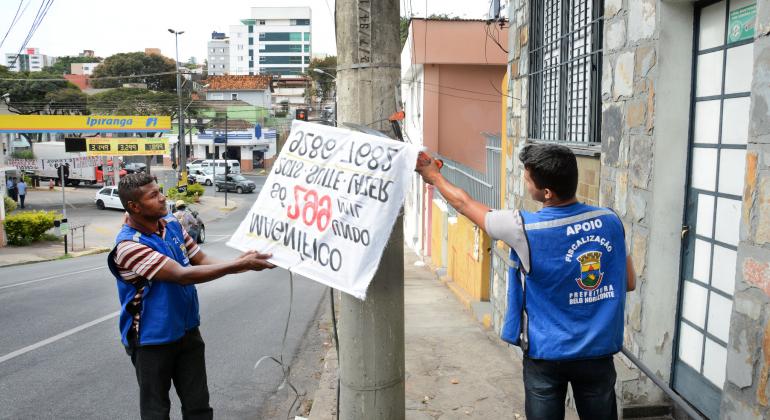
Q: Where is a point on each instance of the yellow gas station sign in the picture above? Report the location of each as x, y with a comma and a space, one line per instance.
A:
126, 146
83, 123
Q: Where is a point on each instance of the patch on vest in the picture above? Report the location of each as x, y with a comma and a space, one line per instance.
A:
590, 270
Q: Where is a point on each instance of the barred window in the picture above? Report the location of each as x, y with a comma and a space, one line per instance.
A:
565, 70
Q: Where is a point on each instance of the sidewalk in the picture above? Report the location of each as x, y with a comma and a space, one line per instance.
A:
454, 368
101, 231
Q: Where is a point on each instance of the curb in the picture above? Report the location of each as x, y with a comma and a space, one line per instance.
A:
94, 251
481, 310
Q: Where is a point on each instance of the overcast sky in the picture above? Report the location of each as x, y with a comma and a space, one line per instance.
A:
110, 26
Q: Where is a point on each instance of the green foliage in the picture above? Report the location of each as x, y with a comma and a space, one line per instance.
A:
195, 189
62, 65
403, 30
29, 226
67, 101
23, 154
324, 84
10, 205
127, 64
28, 92
132, 101
27, 180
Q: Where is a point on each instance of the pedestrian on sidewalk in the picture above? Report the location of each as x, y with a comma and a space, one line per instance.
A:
566, 297
10, 185
21, 188
157, 264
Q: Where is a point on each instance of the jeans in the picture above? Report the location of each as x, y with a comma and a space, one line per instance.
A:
593, 386
21, 199
184, 363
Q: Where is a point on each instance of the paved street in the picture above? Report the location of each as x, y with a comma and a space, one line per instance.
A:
60, 355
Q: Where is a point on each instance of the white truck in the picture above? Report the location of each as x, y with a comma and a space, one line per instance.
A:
74, 175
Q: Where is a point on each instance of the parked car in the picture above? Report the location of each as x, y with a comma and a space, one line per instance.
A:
237, 183
204, 176
135, 167
195, 165
107, 197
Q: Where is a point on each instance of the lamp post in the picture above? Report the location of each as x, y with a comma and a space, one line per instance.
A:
319, 71
182, 164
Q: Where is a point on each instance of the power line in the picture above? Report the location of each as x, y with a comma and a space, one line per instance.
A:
42, 11
16, 17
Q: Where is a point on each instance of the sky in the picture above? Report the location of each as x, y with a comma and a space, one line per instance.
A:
109, 26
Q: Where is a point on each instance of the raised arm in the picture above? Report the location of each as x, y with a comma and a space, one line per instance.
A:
455, 196
202, 273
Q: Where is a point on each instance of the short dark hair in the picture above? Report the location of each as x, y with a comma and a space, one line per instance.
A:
129, 186
551, 166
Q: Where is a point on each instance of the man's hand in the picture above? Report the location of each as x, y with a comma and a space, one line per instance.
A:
428, 168
253, 260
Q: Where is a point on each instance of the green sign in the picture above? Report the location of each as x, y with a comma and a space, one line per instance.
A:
65, 228
741, 24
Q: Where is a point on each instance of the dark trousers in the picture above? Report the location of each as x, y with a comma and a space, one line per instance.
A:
182, 362
593, 385
21, 199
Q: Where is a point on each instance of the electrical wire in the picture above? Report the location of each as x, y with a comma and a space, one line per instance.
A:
279, 360
16, 17
42, 11
336, 346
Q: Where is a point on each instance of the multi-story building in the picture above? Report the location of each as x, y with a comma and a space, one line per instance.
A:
86, 69
218, 54
275, 40
30, 60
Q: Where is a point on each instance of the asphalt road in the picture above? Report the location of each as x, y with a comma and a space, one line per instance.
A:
60, 355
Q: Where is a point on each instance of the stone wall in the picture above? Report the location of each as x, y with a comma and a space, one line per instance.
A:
746, 392
623, 176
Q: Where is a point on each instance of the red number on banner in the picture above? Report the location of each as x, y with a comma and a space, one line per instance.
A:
324, 213
311, 214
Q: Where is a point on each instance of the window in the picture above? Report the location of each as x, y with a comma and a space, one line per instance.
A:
565, 71
261, 22
281, 48
251, 41
240, 47
280, 36
307, 36
251, 29
234, 96
299, 22
280, 59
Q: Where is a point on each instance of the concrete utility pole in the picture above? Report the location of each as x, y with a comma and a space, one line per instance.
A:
371, 332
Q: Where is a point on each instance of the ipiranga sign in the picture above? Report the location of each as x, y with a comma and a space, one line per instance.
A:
329, 204
83, 123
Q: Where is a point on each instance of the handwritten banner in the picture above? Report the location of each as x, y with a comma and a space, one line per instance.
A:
42, 164
329, 204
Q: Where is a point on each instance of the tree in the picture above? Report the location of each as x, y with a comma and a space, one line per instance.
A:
136, 63
322, 83
67, 101
131, 101
62, 64
28, 92
404, 30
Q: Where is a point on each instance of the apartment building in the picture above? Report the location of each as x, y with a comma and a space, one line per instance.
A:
218, 49
30, 60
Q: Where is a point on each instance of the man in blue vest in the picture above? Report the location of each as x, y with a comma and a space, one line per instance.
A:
157, 264
566, 296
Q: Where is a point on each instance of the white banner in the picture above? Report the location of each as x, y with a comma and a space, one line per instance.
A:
42, 164
329, 204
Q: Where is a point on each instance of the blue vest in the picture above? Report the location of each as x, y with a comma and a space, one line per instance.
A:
168, 309
570, 304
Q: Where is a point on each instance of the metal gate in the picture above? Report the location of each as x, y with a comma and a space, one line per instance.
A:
722, 72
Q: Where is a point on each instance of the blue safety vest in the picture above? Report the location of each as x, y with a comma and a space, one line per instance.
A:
168, 309
570, 303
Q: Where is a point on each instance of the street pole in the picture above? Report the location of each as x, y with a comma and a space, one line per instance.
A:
63, 206
227, 170
371, 332
182, 166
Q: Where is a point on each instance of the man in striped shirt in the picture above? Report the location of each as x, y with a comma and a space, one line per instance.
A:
156, 264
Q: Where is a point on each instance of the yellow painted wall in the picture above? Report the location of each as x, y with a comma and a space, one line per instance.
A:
436, 235
469, 260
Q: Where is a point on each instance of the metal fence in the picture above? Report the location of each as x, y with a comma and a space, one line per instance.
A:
483, 187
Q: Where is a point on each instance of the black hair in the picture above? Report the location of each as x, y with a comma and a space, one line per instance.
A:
129, 186
551, 166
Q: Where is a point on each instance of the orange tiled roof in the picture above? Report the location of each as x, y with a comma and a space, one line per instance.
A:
257, 82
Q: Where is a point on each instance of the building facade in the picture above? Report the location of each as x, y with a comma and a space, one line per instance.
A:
218, 59
83, 69
274, 40
451, 95
666, 105
31, 60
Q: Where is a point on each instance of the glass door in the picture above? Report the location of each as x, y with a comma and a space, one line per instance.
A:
723, 63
